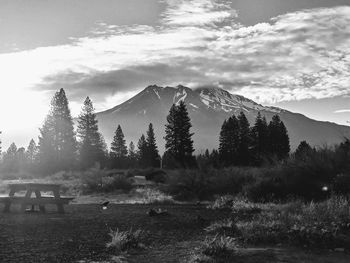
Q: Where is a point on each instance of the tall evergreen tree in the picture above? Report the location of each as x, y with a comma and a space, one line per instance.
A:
215, 159
57, 142
152, 149
21, 158
91, 144
10, 163
229, 142
278, 138
243, 155
32, 152
132, 155
204, 160
119, 150
178, 137
259, 135
303, 151
224, 144
142, 152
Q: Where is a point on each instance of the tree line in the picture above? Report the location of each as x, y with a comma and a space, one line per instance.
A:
243, 145
60, 147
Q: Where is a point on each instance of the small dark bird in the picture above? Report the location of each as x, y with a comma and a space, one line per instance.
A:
105, 205
158, 212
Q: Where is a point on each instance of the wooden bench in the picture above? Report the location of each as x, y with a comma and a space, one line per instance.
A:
39, 200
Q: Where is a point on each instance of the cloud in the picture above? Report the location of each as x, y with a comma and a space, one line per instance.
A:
342, 111
300, 55
130, 78
197, 12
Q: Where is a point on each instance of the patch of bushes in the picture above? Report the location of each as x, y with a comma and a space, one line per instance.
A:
240, 206
155, 175
317, 225
96, 180
217, 249
206, 184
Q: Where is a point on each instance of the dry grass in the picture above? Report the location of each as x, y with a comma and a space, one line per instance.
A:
122, 241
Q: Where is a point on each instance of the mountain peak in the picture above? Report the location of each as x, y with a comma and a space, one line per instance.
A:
208, 107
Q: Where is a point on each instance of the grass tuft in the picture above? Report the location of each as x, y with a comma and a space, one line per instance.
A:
122, 241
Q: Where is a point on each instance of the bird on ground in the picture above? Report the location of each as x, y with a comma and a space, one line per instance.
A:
157, 212
105, 205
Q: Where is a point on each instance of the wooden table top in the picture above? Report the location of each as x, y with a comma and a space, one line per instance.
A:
33, 186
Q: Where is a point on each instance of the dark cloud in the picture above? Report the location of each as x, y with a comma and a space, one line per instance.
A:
103, 84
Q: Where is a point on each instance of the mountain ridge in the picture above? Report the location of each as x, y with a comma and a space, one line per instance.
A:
208, 107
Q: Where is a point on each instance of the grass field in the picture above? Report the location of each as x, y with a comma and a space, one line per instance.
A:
82, 233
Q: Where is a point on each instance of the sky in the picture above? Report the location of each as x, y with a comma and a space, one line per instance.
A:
290, 54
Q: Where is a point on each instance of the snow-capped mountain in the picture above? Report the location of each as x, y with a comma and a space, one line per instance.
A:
208, 108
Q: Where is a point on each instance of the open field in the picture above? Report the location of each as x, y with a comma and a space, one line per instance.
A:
82, 233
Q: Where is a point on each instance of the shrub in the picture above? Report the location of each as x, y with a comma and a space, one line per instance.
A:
117, 182
124, 240
155, 175
222, 202
96, 180
225, 227
219, 247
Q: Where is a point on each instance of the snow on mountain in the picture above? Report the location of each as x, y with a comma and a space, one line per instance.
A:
208, 108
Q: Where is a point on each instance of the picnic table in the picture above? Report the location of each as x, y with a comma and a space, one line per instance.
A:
39, 200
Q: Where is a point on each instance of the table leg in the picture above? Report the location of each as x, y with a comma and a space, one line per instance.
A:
38, 195
60, 208
28, 195
8, 204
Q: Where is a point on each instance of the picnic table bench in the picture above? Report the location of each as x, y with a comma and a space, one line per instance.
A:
39, 200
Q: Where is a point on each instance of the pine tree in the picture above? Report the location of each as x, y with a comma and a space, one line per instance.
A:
204, 160
229, 142
142, 152
119, 150
243, 155
10, 163
178, 137
207, 154
132, 155
285, 144
91, 144
57, 143
303, 151
32, 152
259, 140
152, 149
21, 159
224, 144
278, 138
215, 159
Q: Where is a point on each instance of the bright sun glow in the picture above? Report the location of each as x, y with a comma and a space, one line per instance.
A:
20, 112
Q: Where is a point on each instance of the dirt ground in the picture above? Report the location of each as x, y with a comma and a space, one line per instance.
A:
81, 235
